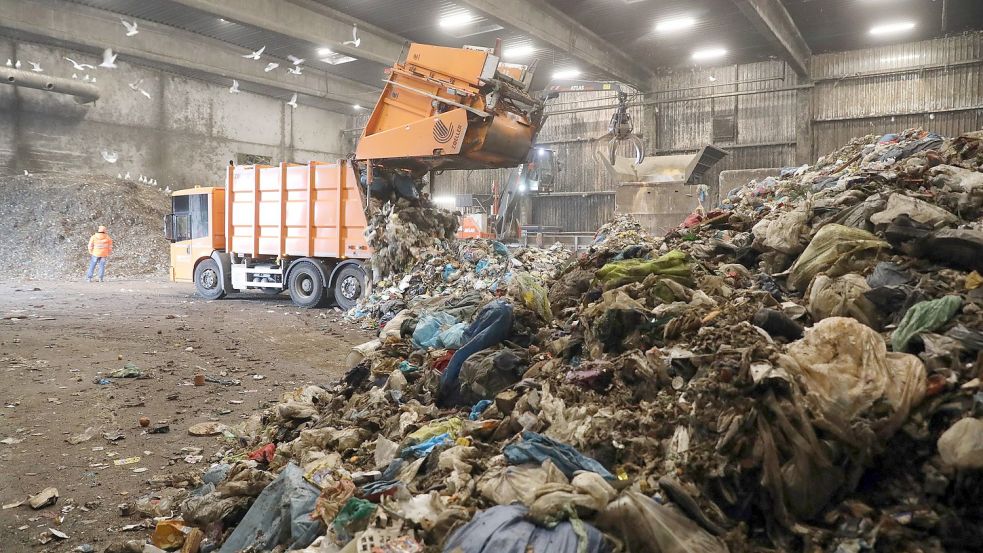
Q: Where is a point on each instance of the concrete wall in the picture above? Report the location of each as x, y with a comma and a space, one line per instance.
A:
184, 135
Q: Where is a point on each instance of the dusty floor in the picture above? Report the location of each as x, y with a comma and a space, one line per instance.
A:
56, 338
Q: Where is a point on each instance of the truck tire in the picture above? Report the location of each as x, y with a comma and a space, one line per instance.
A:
307, 286
349, 286
208, 280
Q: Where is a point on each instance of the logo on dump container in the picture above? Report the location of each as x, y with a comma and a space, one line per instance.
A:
441, 132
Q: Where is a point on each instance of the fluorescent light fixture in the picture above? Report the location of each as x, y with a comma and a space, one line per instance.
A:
888, 28
329, 56
356, 107
566, 74
675, 24
709, 54
324, 52
518, 51
456, 20
445, 200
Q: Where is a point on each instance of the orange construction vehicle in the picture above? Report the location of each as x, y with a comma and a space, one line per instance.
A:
300, 227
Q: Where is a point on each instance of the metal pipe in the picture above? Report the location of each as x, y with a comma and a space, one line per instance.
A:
685, 99
83, 92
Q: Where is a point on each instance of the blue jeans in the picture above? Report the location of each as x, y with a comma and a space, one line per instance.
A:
490, 327
93, 261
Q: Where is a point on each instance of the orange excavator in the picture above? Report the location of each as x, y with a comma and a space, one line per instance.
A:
299, 228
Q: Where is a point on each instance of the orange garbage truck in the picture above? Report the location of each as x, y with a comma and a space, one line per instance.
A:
300, 228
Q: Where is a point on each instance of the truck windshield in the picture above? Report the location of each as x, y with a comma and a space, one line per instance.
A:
190, 216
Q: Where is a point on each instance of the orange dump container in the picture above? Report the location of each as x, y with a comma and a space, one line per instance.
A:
292, 210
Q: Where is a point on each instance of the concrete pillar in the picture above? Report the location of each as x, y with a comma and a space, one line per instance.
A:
803, 127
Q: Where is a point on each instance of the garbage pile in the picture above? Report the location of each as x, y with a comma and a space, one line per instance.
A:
798, 370
47, 218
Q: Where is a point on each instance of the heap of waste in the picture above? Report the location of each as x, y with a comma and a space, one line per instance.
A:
798, 370
47, 218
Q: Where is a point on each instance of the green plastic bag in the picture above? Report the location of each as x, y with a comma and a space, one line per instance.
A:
527, 288
674, 264
835, 250
924, 317
354, 511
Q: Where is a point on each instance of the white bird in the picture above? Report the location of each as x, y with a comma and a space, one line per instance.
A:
295, 70
355, 40
271, 66
167, 190
86, 79
234, 89
108, 59
109, 156
295, 60
131, 28
75, 76
36, 67
127, 177
80, 66
9, 63
136, 88
153, 182
255, 55
119, 176
712, 79
141, 180
26, 174
17, 65
93, 80
293, 101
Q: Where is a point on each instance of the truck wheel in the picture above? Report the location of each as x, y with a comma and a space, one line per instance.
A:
349, 285
307, 287
208, 280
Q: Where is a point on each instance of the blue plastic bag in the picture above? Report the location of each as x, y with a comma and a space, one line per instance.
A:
422, 449
536, 448
479, 408
453, 337
428, 329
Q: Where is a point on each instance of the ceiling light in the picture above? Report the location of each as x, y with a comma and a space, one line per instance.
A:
566, 74
888, 28
709, 54
518, 51
456, 20
324, 52
676, 24
356, 107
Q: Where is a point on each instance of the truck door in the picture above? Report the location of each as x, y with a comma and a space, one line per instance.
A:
190, 236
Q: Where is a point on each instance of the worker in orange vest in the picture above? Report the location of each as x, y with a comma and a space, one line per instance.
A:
100, 247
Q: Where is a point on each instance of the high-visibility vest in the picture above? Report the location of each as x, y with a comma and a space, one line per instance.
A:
100, 245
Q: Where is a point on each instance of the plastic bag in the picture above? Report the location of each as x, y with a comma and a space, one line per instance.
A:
784, 233
845, 368
353, 517
532, 293
536, 448
428, 329
648, 527
453, 337
835, 250
508, 484
450, 426
618, 273
925, 316
841, 297
504, 529
919, 211
961, 446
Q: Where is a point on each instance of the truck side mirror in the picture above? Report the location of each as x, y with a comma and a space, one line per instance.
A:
169, 227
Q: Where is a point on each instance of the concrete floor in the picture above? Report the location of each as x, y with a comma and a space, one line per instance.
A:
57, 337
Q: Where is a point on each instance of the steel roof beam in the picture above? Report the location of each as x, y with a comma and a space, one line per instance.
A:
541, 21
772, 20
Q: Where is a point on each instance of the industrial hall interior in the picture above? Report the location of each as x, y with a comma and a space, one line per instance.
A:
491, 276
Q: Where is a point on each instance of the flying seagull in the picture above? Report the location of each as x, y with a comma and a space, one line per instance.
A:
234, 89
355, 40
271, 66
295, 60
36, 67
80, 66
131, 28
295, 70
293, 101
136, 88
255, 55
108, 59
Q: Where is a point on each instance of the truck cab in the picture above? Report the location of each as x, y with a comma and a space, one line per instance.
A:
195, 228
